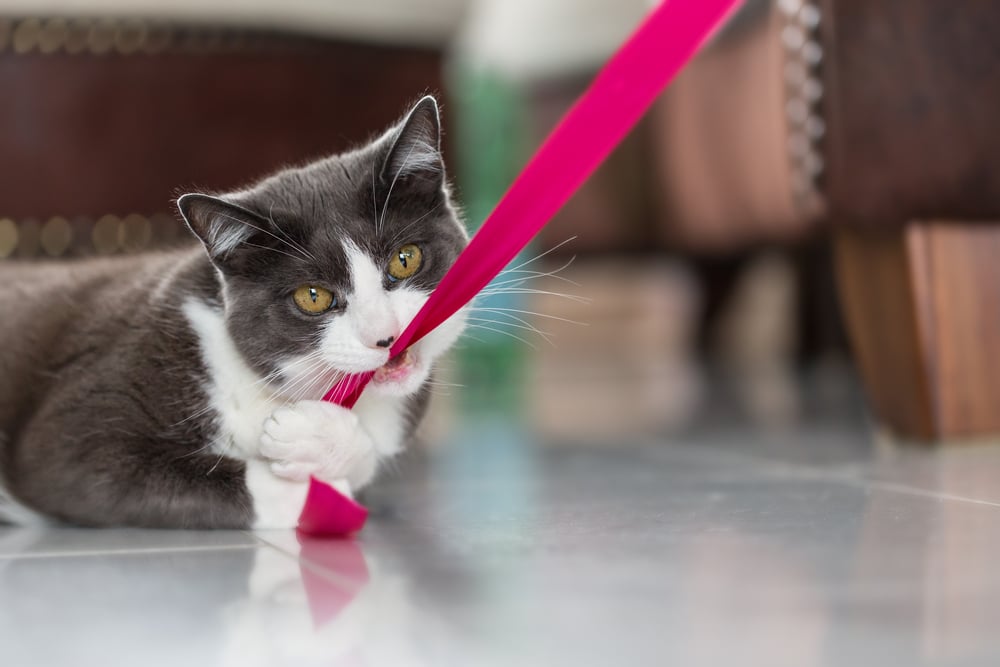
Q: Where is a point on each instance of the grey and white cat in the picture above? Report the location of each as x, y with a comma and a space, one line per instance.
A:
182, 389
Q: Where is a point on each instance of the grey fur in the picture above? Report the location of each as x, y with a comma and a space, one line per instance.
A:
102, 410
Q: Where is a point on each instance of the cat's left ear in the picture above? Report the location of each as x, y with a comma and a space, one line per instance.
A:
222, 226
415, 150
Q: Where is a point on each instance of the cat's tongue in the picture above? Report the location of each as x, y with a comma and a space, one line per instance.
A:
395, 369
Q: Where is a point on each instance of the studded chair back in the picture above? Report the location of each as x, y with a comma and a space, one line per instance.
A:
866, 113
104, 121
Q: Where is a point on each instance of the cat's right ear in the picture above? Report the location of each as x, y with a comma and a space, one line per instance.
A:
222, 227
415, 152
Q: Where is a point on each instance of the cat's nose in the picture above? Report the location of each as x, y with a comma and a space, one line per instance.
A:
385, 342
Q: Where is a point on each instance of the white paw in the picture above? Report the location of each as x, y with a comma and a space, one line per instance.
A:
277, 502
319, 439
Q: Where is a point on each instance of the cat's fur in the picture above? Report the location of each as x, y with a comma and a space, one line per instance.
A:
181, 389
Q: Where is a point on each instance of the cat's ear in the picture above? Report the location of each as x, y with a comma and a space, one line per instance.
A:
415, 147
222, 226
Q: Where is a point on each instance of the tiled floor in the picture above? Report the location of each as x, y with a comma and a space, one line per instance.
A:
721, 547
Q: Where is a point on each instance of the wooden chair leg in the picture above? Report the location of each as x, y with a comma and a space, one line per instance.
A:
922, 305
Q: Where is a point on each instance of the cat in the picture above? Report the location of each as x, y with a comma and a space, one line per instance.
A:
182, 389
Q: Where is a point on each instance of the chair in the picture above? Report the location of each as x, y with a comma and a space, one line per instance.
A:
106, 116
872, 121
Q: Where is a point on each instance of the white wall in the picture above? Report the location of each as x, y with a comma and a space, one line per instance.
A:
542, 38
401, 21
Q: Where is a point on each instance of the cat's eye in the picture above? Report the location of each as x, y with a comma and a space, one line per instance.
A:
405, 262
314, 300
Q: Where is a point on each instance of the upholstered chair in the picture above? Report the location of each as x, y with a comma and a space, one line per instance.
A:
873, 122
110, 108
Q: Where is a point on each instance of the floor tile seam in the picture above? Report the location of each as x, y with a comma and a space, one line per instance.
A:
861, 479
866, 481
80, 553
855, 476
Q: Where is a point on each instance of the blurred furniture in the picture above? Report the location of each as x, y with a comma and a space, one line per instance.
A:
874, 119
707, 174
871, 122
112, 107
914, 190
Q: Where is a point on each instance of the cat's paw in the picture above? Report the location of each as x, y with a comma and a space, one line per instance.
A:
319, 439
277, 502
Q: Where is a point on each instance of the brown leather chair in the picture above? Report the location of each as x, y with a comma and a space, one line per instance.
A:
104, 119
874, 120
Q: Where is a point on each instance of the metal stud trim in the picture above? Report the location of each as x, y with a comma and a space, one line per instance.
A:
51, 36
804, 94
61, 236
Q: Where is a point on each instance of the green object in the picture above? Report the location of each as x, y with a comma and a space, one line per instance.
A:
491, 146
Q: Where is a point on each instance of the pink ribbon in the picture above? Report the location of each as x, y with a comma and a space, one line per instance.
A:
629, 83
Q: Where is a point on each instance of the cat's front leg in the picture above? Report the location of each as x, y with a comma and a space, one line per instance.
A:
318, 439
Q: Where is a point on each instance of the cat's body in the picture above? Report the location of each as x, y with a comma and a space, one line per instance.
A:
181, 389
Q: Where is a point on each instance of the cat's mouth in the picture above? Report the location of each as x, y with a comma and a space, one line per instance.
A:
396, 369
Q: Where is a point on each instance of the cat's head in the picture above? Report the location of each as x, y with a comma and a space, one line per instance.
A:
323, 266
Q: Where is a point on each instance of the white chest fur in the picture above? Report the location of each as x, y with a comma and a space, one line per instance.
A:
241, 400
238, 397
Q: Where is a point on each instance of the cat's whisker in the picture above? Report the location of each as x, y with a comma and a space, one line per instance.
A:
328, 385
194, 415
305, 374
311, 388
518, 282
499, 310
222, 455
398, 236
527, 290
313, 353
502, 332
264, 383
436, 383
305, 380
280, 252
209, 407
540, 255
288, 239
539, 274
295, 247
374, 204
385, 207
520, 323
270, 377
389, 466
526, 327
211, 443
294, 391
461, 343
339, 391
342, 392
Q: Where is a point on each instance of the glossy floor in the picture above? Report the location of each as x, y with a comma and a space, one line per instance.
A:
806, 547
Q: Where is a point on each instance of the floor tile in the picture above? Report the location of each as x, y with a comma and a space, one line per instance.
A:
153, 609
495, 551
667, 560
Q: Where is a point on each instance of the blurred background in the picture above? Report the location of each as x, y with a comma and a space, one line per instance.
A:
655, 274
690, 282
